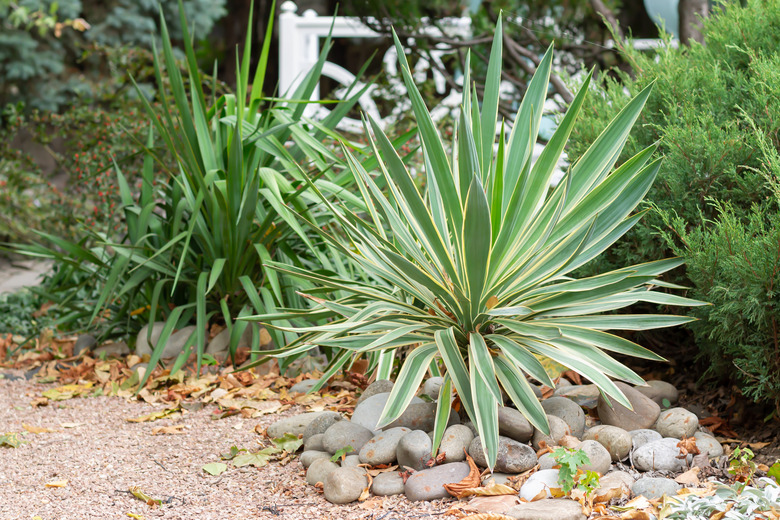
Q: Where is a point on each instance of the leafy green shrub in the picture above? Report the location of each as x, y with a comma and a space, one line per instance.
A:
194, 240
696, 113
475, 271
715, 114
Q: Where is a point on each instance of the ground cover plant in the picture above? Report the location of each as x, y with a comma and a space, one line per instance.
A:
475, 269
713, 112
194, 240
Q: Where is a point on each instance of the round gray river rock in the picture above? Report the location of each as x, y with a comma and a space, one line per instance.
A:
344, 485
583, 395
600, 459
659, 455
421, 416
414, 450
652, 487
677, 422
319, 470
381, 448
619, 480
660, 390
309, 456
513, 424
381, 386
314, 443
558, 429
616, 440
644, 414
320, 424
345, 433
708, 444
295, 425
367, 413
547, 461
644, 436
542, 480
303, 386
513, 457
455, 442
85, 342
569, 411
548, 509
429, 483
386, 484
350, 461
432, 387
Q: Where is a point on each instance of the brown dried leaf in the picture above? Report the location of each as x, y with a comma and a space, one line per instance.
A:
487, 516
168, 430
689, 477
471, 481
687, 447
540, 496
36, 429
57, 483
495, 504
488, 491
373, 503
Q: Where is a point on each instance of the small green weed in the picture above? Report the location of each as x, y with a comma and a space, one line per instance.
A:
570, 475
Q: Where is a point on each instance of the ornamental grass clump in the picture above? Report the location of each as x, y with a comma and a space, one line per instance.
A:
473, 273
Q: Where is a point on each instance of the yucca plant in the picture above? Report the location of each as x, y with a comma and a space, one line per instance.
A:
475, 269
198, 233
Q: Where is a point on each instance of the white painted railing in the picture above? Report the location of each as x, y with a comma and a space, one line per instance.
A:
299, 49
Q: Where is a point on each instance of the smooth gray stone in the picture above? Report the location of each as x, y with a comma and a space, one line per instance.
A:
344, 485
644, 436
321, 424
368, 411
660, 390
295, 425
513, 457
382, 447
677, 422
219, 345
513, 424
537, 390
583, 395
414, 450
314, 443
600, 459
421, 416
455, 442
615, 480
569, 411
144, 345
708, 444
546, 461
343, 434
116, 349
660, 456
542, 480
643, 416
85, 342
548, 509
558, 429
616, 440
304, 386
381, 386
173, 347
319, 469
350, 461
429, 483
652, 487
309, 456
386, 484
432, 387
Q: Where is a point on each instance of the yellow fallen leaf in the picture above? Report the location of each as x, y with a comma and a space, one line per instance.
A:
36, 429
487, 516
137, 517
487, 491
161, 414
57, 483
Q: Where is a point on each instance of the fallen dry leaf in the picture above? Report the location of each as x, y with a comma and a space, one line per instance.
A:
689, 477
143, 497
687, 447
155, 415
36, 429
758, 445
472, 480
372, 503
168, 430
487, 491
487, 516
495, 504
57, 483
72, 424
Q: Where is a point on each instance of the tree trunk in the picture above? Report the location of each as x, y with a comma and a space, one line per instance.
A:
691, 13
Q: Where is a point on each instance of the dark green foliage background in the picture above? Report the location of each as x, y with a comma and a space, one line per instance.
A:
712, 108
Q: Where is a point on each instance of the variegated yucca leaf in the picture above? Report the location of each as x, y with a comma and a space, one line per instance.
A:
475, 269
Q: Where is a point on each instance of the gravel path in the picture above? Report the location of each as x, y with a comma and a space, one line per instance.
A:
102, 455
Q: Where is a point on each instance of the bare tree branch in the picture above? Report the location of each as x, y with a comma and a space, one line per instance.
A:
608, 16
